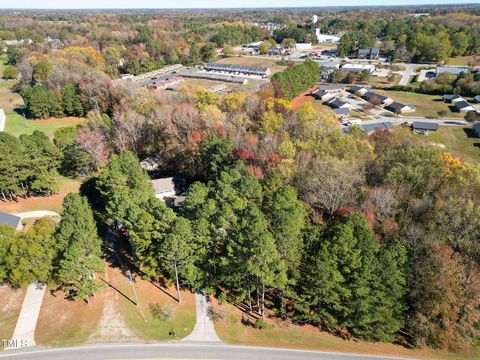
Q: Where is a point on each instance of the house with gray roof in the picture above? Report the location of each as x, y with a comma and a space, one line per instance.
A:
359, 90
476, 128
477, 99
373, 97
423, 127
369, 128
338, 104
464, 106
11, 220
452, 98
399, 108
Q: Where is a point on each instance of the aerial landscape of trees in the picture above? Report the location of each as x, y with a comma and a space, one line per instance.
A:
367, 236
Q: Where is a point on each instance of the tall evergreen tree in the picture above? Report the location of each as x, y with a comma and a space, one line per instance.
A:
81, 248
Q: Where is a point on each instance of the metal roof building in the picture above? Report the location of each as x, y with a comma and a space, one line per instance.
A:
368, 128
11, 220
236, 68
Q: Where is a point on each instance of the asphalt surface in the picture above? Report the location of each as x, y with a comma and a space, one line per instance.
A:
178, 351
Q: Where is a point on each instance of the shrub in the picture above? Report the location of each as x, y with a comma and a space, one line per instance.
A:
262, 324
10, 72
161, 312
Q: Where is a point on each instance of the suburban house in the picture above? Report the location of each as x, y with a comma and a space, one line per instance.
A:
338, 104
332, 88
303, 46
399, 108
358, 68
359, 90
423, 127
340, 113
375, 98
452, 98
371, 128
371, 54
217, 88
477, 99
166, 187
464, 106
322, 95
326, 38
476, 128
11, 220
456, 70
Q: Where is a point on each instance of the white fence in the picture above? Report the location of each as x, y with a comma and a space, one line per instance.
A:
2, 120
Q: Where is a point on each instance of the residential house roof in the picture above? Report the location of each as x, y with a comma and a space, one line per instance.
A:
387, 125
424, 125
451, 97
341, 111
463, 105
396, 106
457, 70
10, 220
337, 103
356, 88
371, 95
165, 185
477, 98
331, 87
476, 127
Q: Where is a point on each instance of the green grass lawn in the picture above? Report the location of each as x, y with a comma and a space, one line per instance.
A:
231, 329
458, 140
427, 105
16, 124
140, 318
461, 60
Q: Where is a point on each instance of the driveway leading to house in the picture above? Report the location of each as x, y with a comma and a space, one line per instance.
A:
24, 333
37, 214
406, 74
204, 330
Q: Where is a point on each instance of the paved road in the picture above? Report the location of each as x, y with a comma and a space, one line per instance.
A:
204, 329
24, 333
179, 351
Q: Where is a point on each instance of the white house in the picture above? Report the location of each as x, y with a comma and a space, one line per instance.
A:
358, 68
303, 46
165, 188
464, 106
326, 38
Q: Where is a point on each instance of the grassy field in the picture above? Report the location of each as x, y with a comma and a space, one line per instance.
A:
282, 334
12, 103
458, 140
66, 323
427, 105
140, 319
52, 203
253, 61
10, 305
462, 60
17, 124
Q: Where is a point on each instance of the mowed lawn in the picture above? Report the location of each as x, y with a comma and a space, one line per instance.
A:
11, 301
12, 103
140, 318
65, 322
462, 60
427, 105
283, 334
51, 203
458, 140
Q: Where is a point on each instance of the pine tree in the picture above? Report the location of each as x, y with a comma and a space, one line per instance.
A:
78, 240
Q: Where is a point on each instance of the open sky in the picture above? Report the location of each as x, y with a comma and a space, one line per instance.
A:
161, 4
